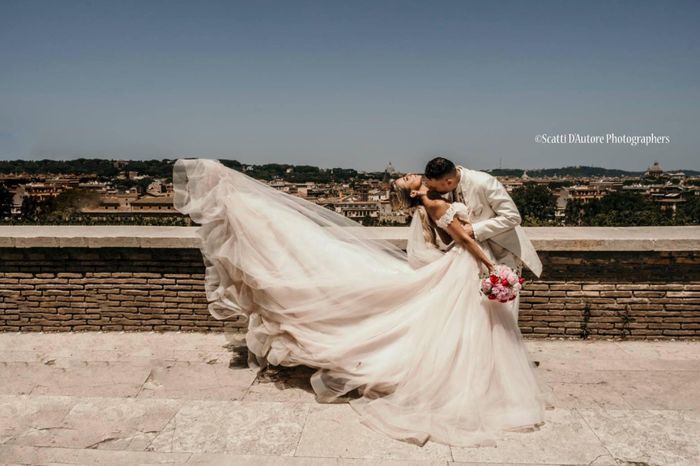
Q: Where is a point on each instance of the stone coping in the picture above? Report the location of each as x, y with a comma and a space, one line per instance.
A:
664, 238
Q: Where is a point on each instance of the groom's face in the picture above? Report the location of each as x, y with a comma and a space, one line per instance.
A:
443, 185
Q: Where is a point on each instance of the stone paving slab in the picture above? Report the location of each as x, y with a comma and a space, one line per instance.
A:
187, 398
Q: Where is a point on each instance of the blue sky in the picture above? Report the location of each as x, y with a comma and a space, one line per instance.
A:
350, 84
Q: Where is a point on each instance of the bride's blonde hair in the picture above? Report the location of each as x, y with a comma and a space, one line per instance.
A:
429, 233
400, 198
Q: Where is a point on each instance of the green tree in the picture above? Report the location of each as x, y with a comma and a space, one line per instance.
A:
29, 209
619, 208
68, 203
369, 221
688, 213
536, 203
5, 202
574, 211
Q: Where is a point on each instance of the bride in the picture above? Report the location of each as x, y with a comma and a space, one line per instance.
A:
432, 358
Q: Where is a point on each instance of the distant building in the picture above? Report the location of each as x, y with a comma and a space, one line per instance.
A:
155, 188
110, 203
41, 190
609, 185
279, 185
585, 193
151, 203
654, 170
511, 184
667, 195
354, 209
363, 192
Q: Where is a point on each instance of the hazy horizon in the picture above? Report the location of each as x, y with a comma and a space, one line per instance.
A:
351, 85
381, 169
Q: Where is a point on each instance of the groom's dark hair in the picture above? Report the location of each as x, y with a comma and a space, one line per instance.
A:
438, 167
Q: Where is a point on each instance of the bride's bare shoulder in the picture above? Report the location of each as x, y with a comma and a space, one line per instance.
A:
436, 205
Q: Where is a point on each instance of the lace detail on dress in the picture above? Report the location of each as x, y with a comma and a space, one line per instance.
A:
447, 217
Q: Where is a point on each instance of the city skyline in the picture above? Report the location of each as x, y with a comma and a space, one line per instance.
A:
350, 85
656, 165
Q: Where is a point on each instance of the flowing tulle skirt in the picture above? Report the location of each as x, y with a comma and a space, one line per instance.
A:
432, 358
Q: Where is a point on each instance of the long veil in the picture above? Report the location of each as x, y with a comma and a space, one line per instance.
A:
208, 191
421, 250
316, 287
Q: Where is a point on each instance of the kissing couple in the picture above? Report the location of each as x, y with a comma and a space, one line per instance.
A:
405, 336
456, 205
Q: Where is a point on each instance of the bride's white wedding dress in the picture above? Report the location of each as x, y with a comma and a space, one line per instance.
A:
432, 357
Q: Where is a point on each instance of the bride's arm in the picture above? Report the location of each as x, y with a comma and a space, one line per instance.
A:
456, 230
436, 208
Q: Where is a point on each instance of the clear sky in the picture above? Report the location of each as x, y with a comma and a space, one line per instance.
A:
351, 84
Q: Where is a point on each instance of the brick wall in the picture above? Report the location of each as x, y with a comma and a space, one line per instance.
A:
633, 294
76, 289
592, 294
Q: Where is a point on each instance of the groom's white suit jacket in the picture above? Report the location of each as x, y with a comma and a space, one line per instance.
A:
496, 218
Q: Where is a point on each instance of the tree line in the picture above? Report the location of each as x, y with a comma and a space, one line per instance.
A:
537, 206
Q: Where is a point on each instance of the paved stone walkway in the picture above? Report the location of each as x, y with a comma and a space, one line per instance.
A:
185, 398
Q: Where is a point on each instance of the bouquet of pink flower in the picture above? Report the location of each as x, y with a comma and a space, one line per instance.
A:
503, 284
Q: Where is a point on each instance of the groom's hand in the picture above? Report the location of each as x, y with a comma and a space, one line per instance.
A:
468, 228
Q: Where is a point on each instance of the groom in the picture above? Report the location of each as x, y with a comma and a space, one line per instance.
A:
496, 220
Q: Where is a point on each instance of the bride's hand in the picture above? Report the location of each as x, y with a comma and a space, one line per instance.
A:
422, 191
490, 266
